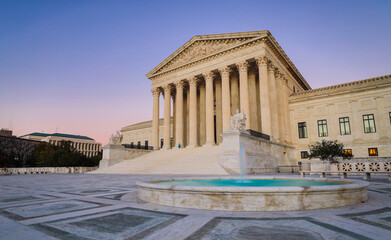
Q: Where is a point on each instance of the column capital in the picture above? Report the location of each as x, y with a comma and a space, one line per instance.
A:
180, 84
284, 79
192, 81
277, 73
167, 88
208, 76
270, 66
156, 91
242, 66
225, 71
261, 60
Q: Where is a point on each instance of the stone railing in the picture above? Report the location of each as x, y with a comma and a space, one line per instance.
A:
353, 165
46, 170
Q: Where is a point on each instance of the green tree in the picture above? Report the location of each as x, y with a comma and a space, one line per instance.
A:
63, 155
328, 150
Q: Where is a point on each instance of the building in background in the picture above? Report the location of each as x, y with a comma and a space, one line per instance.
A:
83, 144
6, 132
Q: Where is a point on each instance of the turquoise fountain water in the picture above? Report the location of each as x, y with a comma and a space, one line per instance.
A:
248, 183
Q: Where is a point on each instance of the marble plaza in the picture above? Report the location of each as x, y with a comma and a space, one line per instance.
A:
92, 206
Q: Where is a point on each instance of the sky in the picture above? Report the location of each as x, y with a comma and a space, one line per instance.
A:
78, 66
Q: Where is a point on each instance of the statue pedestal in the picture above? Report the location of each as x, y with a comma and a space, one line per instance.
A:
261, 155
113, 154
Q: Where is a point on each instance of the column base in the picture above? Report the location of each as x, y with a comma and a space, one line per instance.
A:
209, 144
191, 146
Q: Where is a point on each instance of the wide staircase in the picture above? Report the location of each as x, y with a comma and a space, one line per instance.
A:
198, 161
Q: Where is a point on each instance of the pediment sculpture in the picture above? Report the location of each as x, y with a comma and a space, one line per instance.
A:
200, 49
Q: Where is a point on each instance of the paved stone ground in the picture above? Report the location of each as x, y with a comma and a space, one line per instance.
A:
89, 206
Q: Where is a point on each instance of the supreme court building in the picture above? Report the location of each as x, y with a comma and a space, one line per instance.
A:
211, 77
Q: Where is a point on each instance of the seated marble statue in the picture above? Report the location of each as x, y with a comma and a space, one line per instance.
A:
238, 121
116, 138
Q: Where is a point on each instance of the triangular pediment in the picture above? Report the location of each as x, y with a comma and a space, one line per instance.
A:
203, 46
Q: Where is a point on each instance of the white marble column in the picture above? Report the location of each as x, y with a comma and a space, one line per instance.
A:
219, 119
173, 96
244, 93
193, 112
234, 85
226, 103
179, 114
155, 118
281, 106
264, 95
252, 93
287, 114
201, 113
273, 102
209, 108
167, 116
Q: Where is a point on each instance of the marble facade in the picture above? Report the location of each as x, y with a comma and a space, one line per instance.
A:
206, 80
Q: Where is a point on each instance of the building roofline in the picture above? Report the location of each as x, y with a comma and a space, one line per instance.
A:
57, 135
359, 85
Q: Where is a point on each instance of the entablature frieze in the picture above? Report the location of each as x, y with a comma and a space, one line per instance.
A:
229, 60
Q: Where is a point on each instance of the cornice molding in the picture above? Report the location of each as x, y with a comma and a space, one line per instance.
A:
356, 86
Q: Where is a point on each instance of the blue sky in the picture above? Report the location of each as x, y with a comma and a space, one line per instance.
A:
79, 66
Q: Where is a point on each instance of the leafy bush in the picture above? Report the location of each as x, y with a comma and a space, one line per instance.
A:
328, 150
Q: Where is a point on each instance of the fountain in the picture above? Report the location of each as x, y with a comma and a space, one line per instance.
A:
253, 193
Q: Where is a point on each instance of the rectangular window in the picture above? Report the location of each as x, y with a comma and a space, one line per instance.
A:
372, 152
369, 123
304, 154
302, 130
348, 153
161, 143
322, 128
344, 126
390, 116
146, 144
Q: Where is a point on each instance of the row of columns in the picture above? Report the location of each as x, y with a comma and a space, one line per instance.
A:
270, 81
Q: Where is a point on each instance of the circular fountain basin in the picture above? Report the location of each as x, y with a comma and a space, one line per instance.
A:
254, 193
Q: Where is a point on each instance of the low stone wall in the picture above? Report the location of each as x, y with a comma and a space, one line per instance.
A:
261, 156
380, 164
361, 165
116, 153
46, 170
